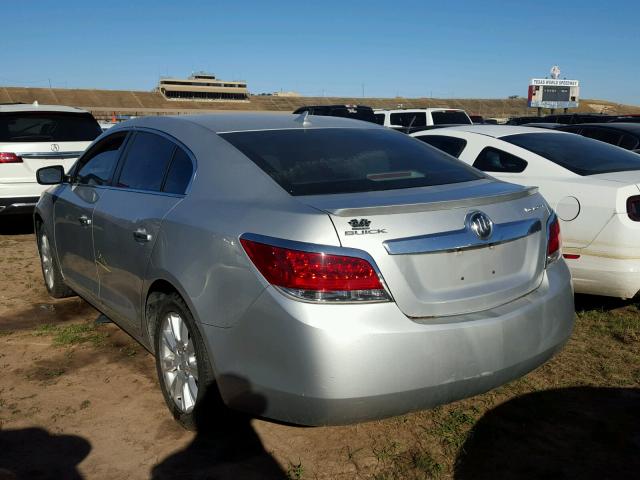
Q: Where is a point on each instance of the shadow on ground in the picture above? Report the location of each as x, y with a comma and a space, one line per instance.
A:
225, 447
35, 454
572, 433
16, 224
595, 302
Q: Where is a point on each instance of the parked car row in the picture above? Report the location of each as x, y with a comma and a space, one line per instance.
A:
336, 269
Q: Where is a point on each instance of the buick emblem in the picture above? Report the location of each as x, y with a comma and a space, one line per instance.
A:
480, 224
55, 147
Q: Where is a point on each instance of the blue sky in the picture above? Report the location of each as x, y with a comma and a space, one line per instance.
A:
472, 49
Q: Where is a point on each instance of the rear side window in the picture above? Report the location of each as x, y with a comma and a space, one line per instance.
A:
146, 162
179, 174
494, 160
409, 119
602, 134
576, 153
380, 118
97, 166
451, 145
450, 116
629, 142
348, 160
48, 127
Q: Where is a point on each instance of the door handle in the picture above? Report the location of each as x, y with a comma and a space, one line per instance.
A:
84, 220
141, 235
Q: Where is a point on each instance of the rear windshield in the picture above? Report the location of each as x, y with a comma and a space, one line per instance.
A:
409, 119
48, 127
581, 155
348, 160
355, 113
450, 116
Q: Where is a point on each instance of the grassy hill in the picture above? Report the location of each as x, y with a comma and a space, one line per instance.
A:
104, 103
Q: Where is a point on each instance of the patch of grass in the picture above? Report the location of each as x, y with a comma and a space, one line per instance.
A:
75, 334
623, 326
424, 462
295, 471
85, 404
453, 427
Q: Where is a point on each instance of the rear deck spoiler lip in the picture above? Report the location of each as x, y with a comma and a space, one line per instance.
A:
433, 206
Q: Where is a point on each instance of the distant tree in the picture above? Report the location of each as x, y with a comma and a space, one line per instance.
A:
513, 97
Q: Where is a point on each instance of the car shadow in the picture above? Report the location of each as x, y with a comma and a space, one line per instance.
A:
35, 454
225, 446
596, 302
16, 224
581, 433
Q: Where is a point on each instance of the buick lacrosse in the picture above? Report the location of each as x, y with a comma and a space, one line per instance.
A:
314, 270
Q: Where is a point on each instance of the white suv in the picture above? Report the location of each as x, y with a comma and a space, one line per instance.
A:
34, 136
421, 117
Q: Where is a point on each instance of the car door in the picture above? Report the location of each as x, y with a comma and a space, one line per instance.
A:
128, 219
73, 213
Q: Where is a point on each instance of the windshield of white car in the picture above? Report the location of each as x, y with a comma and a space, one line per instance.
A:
48, 127
576, 153
348, 160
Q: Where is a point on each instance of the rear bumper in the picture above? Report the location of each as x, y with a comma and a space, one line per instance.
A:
599, 275
17, 205
336, 364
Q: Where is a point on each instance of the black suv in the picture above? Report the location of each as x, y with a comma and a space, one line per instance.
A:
357, 112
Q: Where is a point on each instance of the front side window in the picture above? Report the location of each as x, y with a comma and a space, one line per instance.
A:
451, 145
576, 153
48, 127
494, 160
347, 160
146, 162
98, 165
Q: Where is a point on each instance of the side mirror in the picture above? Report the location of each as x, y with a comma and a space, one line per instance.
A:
50, 175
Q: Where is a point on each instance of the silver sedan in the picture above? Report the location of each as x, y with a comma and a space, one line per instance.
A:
313, 270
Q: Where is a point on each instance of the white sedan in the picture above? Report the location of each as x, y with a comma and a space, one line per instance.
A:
593, 186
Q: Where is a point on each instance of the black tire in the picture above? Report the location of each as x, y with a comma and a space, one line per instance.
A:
173, 304
51, 273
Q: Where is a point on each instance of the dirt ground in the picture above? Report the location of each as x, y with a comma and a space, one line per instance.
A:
80, 400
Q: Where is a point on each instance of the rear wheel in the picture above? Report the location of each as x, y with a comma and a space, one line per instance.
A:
50, 269
183, 367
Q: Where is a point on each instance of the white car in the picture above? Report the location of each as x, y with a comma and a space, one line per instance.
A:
34, 136
421, 117
593, 186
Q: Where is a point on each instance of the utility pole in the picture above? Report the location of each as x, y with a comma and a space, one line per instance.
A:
363, 90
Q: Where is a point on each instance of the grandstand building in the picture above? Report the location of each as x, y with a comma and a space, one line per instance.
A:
203, 87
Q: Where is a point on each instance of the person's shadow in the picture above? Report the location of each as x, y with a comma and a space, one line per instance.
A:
226, 446
569, 433
35, 454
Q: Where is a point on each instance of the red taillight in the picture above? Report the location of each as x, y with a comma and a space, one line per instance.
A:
553, 240
633, 208
316, 276
8, 157
571, 256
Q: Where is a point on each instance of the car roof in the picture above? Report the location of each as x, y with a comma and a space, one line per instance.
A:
241, 122
627, 127
497, 131
36, 107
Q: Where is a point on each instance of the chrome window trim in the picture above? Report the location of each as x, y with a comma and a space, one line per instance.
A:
318, 248
463, 239
52, 155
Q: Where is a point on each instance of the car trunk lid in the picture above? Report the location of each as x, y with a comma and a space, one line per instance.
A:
424, 245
